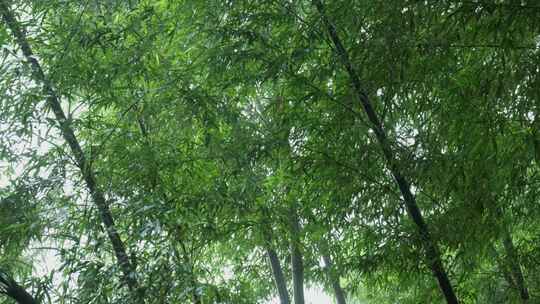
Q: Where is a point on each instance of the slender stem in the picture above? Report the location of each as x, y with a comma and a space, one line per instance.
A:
334, 279
297, 265
12, 289
430, 247
53, 101
515, 267
279, 278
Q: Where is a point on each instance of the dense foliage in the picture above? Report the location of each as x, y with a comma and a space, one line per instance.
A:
238, 151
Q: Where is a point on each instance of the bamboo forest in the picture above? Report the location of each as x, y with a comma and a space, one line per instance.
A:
269, 151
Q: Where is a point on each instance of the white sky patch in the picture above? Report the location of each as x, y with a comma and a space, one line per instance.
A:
313, 295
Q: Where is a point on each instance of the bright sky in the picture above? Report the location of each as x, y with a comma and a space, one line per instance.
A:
312, 296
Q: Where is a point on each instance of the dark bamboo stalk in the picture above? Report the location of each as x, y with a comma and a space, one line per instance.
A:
433, 256
54, 102
297, 264
515, 267
334, 279
279, 278
12, 289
